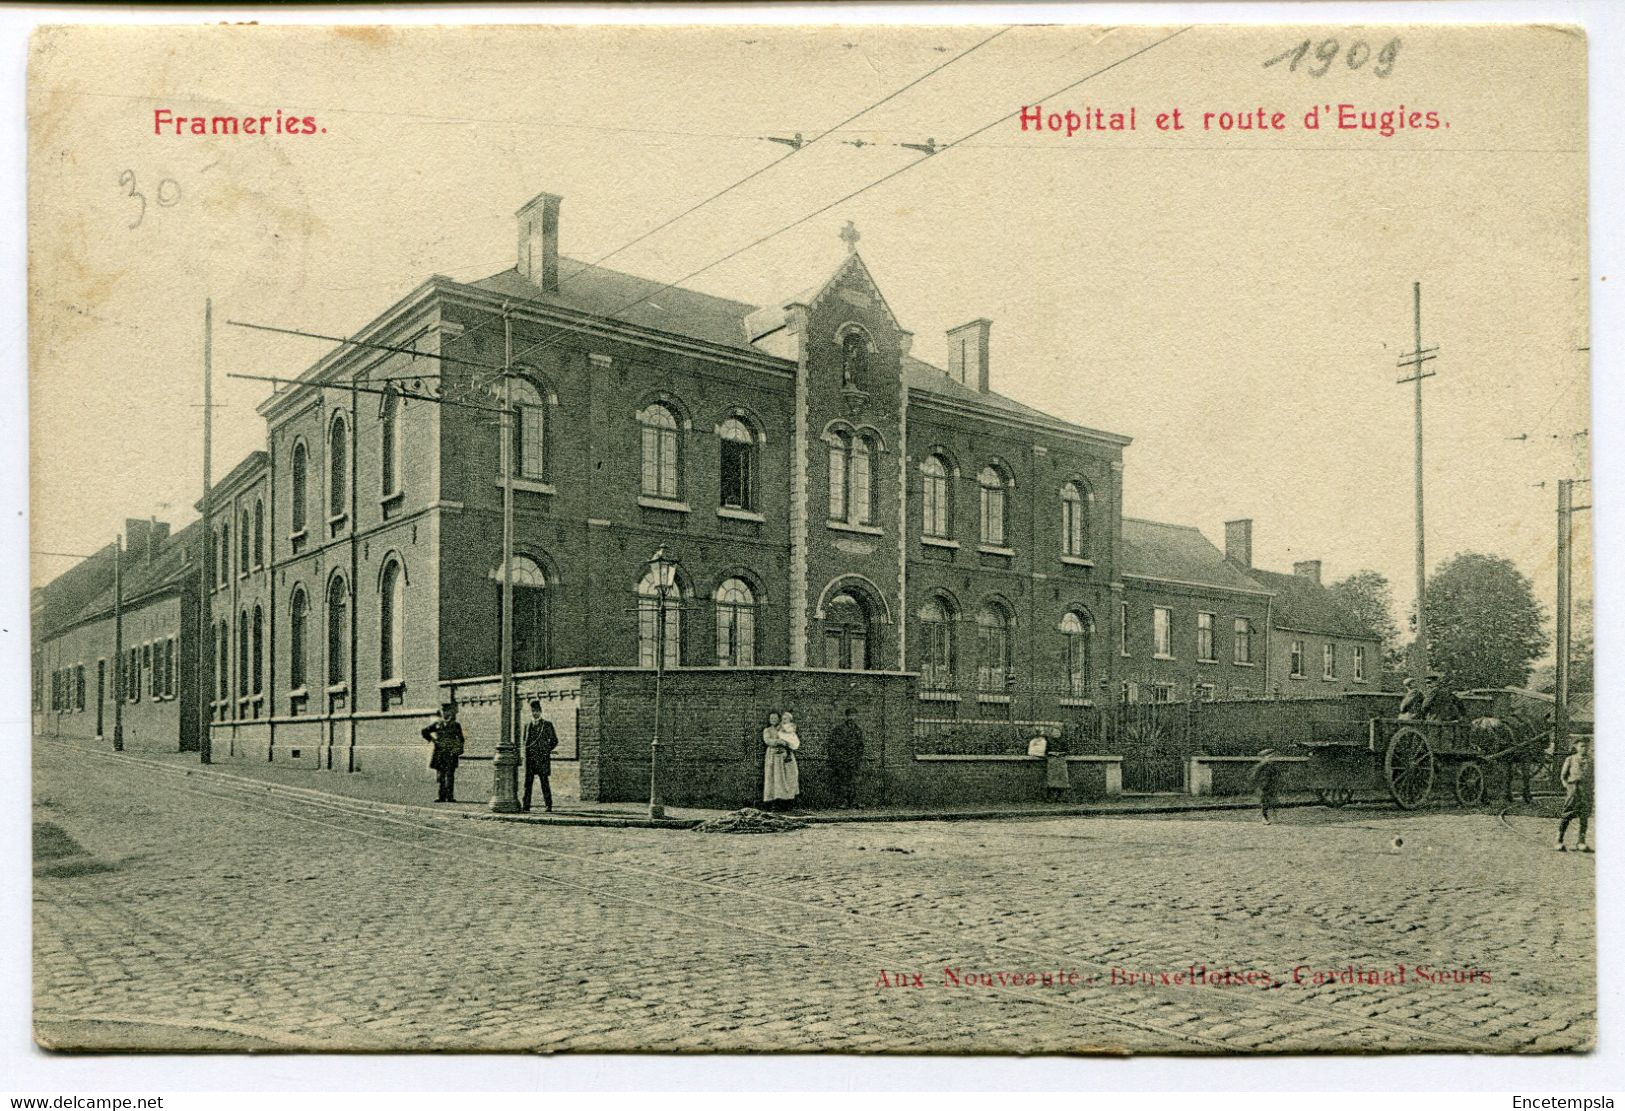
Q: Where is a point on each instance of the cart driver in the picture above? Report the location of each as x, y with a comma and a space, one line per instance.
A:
1440, 703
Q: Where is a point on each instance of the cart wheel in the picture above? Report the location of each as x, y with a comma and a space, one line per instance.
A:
1339, 797
1470, 783
1409, 765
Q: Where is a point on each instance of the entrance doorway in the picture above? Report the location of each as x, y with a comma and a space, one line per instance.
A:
847, 639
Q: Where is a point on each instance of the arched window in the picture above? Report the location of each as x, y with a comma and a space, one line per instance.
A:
300, 467
1076, 631
738, 464
861, 500
389, 442
1075, 501
222, 658
338, 631
736, 624
225, 550
391, 599
854, 360
935, 505
851, 494
298, 615
259, 650
847, 643
937, 645
259, 533
992, 482
338, 465
530, 624
840, 451
651, 606
992, 649
242, 653
529, 431
243, 540
660, 461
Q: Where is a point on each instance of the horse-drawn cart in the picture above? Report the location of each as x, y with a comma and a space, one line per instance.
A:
1408, 759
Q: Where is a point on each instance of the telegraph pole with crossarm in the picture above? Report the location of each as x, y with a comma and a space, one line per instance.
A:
1414, 361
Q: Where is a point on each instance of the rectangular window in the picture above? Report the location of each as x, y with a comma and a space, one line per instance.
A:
1359, 663
1244, 641
1162, 692
1328, 657
1204, 638
1296, 668
736, 476
79, 687
169, 668
862, 499
1122, 629
1162, 632
1208, 691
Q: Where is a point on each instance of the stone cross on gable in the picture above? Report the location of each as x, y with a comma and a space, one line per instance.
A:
850, 235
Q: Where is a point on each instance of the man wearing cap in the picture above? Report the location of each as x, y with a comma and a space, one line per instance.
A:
1577, 793
1410, 707
447, 737
540, 741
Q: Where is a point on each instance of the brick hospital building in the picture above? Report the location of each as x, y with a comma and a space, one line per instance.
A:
835, 506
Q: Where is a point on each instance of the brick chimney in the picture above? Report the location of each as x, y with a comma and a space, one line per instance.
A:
1308, 569
1238, 541
967, 354
539, 241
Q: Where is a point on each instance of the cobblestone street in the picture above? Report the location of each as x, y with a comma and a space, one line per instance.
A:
184, 910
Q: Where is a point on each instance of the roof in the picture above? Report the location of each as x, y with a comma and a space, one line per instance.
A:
1307, 606
610, 293
140, 579
607, 293
1179, 553
253, 461
922, 377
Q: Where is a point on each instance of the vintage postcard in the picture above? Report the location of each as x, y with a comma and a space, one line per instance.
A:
870, 539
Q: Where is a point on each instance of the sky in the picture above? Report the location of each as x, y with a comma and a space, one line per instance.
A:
1236, 302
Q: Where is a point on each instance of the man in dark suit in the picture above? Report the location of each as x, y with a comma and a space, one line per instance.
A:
540, 741
447, 737
845, 757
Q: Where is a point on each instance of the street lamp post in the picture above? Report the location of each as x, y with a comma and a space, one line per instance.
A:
664, 572
505, 764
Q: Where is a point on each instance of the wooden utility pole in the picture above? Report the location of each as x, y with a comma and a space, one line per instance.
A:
118, 643
1414, 360
204, 670
1566, 509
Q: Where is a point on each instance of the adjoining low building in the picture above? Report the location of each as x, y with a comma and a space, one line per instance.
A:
83, 685
1317, 646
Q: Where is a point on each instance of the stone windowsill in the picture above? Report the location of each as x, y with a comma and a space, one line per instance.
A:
670, 505
938, 696
338, 688
387, 500
987, 696
392, 684
298, 692
1077, 702
1077, 561
735, 513
852, 526
996, 550
939, 542
1210, 663
1161, 656
529, 486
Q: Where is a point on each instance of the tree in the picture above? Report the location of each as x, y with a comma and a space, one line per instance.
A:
1485, 628
1369, 597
